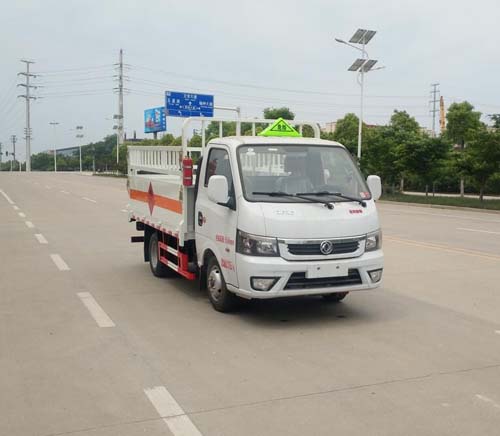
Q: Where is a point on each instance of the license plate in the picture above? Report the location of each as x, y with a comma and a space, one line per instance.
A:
330, 270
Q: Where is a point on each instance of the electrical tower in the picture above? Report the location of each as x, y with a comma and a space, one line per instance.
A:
28, 99
119, 116
434, 101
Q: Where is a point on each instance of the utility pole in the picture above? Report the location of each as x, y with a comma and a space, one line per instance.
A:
119, 116
1, 154
434, 102
79, 136
13, 138
27, 97
54, 124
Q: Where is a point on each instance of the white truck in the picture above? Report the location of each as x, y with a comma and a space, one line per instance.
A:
274, 215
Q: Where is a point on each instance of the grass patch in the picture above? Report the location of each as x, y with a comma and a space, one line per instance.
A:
444, 201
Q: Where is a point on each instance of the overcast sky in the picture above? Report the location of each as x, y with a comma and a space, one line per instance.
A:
247, 53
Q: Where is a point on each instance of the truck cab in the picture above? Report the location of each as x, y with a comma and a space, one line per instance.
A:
269, 217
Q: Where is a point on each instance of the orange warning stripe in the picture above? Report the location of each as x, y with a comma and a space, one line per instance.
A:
159, 200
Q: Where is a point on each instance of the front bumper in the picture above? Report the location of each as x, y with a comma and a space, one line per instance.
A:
253, 266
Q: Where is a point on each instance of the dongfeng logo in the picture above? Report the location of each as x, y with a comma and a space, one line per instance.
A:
326, 247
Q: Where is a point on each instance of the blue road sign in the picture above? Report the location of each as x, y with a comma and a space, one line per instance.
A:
183, 104
155, 120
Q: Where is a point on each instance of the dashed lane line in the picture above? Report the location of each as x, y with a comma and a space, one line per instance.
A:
40, 238
59, 262
176, 419
478, 231
9, 200
64, 192
15, 207
97, 312
488, 400
29, 224
89, 199
22, 215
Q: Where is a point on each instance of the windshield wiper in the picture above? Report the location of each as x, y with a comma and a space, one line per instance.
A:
336, 194
328, 204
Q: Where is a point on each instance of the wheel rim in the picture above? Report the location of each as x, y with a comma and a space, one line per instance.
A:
153, 253
214, 283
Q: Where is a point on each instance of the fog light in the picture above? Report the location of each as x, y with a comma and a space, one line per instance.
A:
375, 275
263, 283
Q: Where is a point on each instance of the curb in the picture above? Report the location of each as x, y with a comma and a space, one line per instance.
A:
441, 206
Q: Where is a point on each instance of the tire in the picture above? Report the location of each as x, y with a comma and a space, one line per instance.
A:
157, 268
335, 298
222, 300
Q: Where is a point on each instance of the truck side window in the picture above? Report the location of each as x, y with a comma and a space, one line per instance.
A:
218, 165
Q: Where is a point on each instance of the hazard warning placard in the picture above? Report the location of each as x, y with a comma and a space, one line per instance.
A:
280, 128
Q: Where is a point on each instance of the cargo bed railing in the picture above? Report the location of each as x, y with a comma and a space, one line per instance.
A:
253, 121
168, 159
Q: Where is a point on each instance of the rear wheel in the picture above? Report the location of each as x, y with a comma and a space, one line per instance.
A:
335, 298
157, 268
222, 300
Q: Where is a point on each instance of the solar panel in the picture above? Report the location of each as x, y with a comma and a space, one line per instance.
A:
368, 65
356, 65
362, 36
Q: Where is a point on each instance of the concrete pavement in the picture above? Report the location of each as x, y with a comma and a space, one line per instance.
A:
101, 347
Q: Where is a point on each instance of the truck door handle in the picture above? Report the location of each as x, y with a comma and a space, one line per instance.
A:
201, 218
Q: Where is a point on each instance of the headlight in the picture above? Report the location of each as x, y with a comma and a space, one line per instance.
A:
374, 241
256, 245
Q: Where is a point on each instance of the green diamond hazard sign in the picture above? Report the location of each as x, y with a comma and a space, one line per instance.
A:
280, 128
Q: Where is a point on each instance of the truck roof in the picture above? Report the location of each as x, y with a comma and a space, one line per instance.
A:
235, 141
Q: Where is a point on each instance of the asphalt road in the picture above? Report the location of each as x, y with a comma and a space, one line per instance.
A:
92, 344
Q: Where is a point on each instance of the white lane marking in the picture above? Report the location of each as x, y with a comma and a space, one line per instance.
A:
124, 210
64, 192
60, 263
497, 332
171, 412
6, 197
47, 186
29, 224
89, 199
467, 217
97, 312
41, 238
15, 207
21, 214
488, 400
478, 231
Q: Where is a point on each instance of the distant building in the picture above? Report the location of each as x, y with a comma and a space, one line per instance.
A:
329, 127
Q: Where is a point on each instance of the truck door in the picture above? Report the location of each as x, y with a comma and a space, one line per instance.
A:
216, 224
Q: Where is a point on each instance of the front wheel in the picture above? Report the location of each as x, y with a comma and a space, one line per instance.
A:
222, 300
335, 298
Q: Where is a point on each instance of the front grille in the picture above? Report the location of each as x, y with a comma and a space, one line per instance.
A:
339, 247
298, 280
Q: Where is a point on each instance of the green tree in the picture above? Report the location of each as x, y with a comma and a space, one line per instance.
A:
496, 120
462, 122
480, 160
272, 113
425, 158
346, 132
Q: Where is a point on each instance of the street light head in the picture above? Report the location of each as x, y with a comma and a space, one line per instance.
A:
341, 41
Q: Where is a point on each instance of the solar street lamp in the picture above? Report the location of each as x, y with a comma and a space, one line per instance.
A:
361, 66
54, 124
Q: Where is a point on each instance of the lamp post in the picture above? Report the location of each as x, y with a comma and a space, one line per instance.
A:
362, 66
54, 124
79, 136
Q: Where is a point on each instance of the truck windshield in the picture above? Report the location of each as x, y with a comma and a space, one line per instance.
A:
297, 169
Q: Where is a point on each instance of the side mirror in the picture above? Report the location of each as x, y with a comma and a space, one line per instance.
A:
218, 190
375, 186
